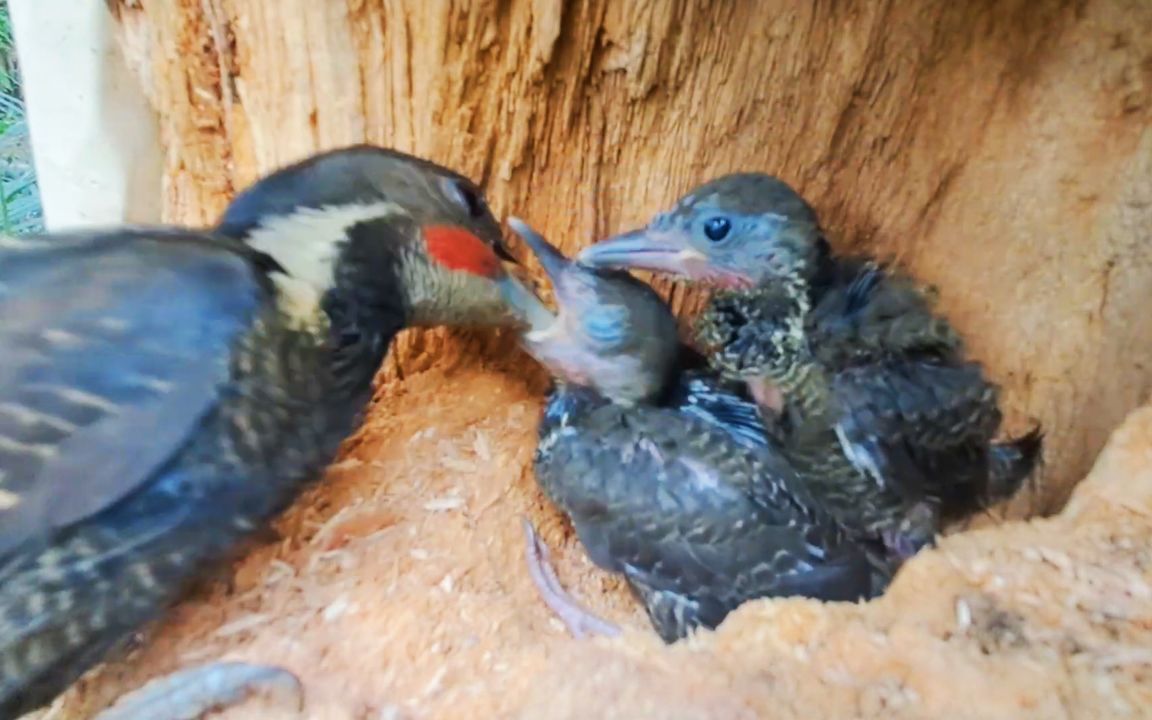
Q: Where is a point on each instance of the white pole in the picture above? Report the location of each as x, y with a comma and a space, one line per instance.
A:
94, 136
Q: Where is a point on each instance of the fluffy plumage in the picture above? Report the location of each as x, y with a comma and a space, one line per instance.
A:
679, 489
888, 422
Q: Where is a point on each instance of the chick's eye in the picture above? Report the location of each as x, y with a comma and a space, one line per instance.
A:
717, 228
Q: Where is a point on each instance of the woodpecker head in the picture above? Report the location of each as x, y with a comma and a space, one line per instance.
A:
736, 231
611, 332
370, 240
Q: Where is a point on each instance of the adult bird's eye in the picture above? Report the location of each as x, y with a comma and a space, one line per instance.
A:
470, 200
717, 228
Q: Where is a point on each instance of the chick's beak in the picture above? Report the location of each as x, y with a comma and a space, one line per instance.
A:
573, 346
523, 302
550, 340
667, 252
551, 259
554, 264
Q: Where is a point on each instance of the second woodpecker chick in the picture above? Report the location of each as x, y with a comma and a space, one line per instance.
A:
891, 424
669, 478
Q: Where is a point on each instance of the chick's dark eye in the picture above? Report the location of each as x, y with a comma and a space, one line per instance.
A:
717, 228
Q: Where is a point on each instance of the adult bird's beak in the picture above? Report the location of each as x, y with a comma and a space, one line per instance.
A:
503, 253
659, 251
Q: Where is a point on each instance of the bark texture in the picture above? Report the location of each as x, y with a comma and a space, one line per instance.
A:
1000, 149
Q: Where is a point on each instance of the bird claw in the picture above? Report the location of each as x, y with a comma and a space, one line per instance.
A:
903, 546
916, 531
192, 693
580, 622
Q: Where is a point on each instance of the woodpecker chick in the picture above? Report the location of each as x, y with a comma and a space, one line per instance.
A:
888, 422
668, 476
166, 392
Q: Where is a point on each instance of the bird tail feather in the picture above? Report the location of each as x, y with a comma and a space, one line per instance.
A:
1014, 462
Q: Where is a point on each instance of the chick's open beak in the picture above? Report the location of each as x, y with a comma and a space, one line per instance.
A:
549, 339
667, 252
551, 259
554, 264
523, 302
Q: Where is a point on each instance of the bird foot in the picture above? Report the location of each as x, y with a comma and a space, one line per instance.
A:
192, 693
579, 621
903, 546
915, 531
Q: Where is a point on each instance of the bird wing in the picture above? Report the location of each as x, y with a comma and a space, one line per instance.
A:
113, 347
871, 311
905, 422
679, 506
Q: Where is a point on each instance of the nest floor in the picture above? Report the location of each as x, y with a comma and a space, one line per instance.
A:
398, 589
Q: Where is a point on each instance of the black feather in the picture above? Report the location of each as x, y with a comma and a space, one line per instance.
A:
688, 499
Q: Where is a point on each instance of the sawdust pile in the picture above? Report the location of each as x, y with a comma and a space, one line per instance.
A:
399, 590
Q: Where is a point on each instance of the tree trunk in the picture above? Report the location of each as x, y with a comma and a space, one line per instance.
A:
1001, 150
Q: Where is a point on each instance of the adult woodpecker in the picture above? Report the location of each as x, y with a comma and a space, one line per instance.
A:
888, 422
164, 392
668, 476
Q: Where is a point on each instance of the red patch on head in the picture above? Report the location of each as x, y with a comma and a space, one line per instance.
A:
457, 249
